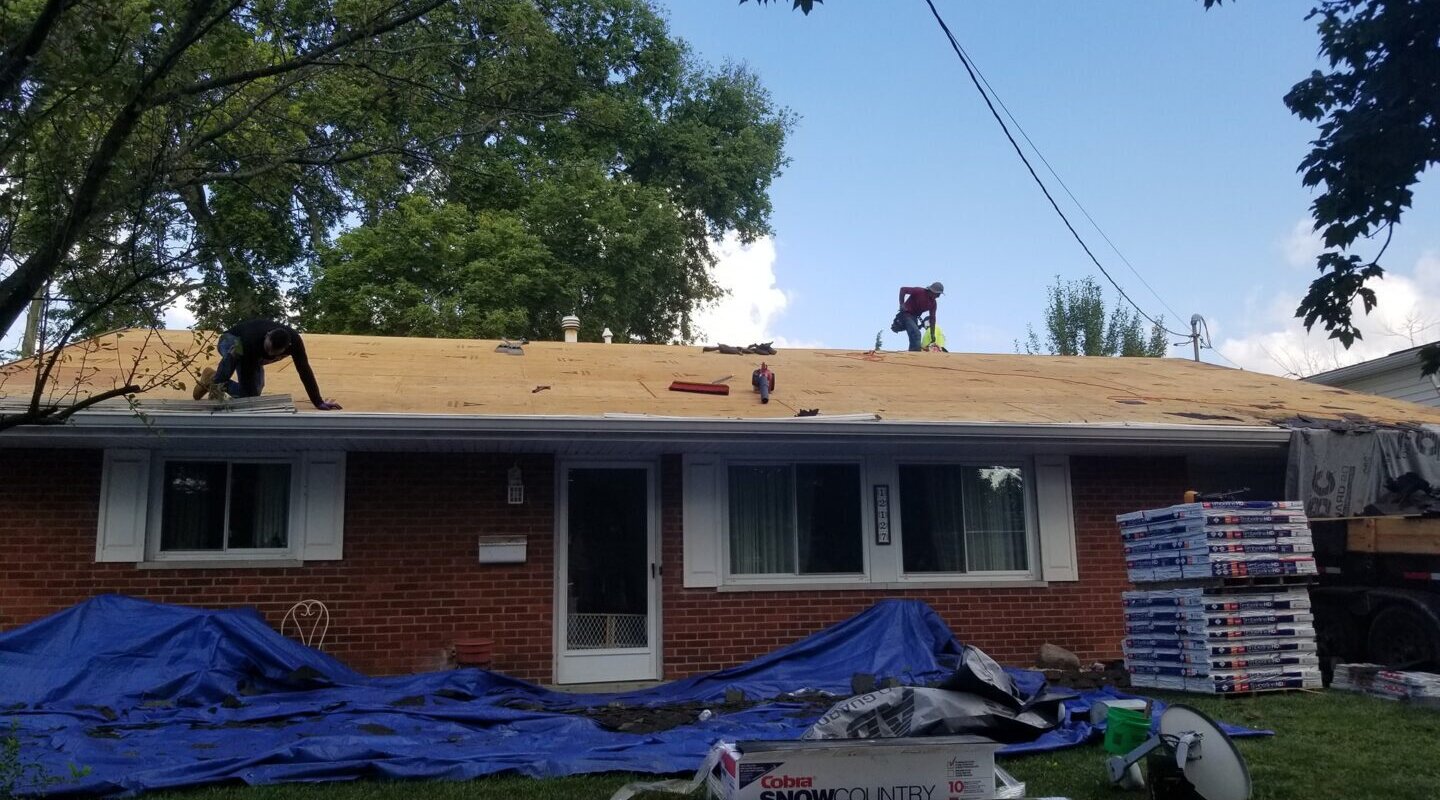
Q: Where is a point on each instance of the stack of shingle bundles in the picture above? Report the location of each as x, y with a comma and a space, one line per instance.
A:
1220, 641
1217, 540
1419, 688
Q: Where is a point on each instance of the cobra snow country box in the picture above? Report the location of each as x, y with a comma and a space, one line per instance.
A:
920, 768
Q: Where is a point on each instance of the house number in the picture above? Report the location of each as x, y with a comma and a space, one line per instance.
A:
882, 514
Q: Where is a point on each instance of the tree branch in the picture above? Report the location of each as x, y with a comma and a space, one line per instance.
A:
17, 59
19, 286
367, 32
55, 414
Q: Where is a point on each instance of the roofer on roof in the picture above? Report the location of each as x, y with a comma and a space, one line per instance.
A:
245, 349
914, 301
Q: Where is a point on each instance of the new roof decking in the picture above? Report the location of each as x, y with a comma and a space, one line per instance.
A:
453, 376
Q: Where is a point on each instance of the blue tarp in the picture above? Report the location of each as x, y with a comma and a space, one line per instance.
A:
149, 696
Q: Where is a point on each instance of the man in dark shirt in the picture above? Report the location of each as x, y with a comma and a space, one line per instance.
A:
245, 349
914, 301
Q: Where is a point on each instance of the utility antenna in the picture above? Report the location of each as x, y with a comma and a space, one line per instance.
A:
1197, 322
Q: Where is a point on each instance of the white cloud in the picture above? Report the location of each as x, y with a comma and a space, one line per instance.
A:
1407, 313
179, 315
753, 301
1302, 244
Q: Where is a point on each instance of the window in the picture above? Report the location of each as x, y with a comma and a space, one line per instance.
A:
224, 507
962, 518
795, 519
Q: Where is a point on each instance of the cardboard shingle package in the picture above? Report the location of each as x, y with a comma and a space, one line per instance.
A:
954, 767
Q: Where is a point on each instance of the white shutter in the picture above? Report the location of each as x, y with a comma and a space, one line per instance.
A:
1056, 519
703, 521
323, 527
124, 501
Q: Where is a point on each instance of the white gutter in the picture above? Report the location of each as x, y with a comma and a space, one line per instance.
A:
377, 428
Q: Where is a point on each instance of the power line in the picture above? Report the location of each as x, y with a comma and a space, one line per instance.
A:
969, 70
1051, 169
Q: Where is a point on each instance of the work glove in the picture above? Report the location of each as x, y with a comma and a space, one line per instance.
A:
328, 405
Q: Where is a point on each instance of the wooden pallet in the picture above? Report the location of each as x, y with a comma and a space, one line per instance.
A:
1257, 693
1238, 582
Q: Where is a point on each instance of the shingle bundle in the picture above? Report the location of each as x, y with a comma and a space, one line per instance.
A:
1221, 641
1208, 638
1419, 688
1217, 540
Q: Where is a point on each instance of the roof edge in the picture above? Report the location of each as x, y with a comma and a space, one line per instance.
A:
380, 426
1366, 369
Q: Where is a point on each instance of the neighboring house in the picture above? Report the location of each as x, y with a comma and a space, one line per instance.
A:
600, 527
1396, 375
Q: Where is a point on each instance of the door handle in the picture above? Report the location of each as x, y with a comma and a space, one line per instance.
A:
656, 570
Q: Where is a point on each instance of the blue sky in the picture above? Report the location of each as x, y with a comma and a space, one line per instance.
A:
1164, 119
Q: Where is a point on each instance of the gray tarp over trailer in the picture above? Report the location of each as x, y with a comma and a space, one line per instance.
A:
1338, 472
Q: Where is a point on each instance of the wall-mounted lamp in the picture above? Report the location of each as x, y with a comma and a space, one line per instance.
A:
516, 489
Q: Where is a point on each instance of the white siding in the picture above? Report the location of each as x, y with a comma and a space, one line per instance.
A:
1401, 383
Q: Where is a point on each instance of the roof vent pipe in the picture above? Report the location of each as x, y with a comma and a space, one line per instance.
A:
607, 336
571, 326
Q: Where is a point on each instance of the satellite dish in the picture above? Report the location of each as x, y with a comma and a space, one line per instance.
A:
1219, 772
1188, 757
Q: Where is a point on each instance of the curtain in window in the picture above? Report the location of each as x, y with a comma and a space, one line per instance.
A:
762, 520
932, 520
827, 513
259, 505
994, 503
193, 503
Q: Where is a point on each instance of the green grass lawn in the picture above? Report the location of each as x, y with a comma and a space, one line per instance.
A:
1326, 745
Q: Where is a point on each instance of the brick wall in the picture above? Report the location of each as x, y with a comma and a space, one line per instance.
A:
409, 586
706, 630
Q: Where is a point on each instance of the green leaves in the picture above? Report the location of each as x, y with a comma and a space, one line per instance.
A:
1378, 111
1430, 360
804, 5
625, 159
1076, 324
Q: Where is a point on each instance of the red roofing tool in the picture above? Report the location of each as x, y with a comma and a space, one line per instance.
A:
699, 388
764, 382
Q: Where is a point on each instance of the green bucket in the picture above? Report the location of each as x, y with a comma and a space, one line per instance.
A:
1125, 730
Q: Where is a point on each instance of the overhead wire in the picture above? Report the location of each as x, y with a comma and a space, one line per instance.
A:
984, 95
1056, 175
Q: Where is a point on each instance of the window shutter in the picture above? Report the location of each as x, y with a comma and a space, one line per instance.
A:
702, 520
323, 529
1056, 518
124, 501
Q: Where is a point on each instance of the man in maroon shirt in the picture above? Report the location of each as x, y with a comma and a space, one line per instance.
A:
914, 301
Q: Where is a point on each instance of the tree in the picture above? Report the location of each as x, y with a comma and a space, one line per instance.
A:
606, 210
216, 148
1378, 108
1076, 324
1378, 111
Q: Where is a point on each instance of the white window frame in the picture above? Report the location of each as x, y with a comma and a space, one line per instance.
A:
883, 564
793, 579
155, 517
1032, 523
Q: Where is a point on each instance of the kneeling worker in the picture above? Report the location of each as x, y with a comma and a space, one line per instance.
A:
914, 301
245, 349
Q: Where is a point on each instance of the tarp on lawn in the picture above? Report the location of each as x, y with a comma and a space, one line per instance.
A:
146, 696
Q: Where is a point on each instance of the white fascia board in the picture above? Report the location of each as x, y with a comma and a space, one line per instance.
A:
386, 427
1405, 359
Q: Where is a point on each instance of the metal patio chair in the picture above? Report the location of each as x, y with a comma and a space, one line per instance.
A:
310, 621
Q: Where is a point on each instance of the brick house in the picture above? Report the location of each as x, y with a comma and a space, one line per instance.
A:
599, 527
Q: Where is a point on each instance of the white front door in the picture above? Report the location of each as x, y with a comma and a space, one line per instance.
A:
607, 575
